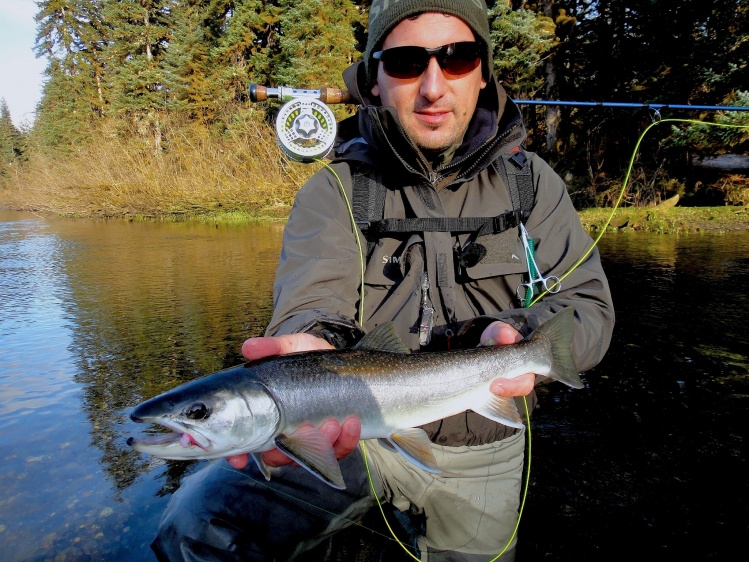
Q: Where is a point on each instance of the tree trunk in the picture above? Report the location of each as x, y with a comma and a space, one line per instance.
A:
553, 112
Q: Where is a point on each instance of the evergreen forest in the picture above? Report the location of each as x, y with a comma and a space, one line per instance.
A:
145, 108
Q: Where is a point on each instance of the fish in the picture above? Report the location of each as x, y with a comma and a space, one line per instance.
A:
280, 401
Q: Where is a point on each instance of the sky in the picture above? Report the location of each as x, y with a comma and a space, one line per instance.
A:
21, 73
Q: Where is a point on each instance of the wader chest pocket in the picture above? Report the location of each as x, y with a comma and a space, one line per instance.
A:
393, 282
493, 255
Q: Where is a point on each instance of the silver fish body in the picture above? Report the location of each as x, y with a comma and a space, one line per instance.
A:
279, 401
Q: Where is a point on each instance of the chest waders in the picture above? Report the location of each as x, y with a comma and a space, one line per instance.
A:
368, 205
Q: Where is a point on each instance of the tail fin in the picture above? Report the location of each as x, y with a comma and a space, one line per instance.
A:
559, 330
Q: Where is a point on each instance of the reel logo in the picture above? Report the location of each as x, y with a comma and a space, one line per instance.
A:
306, 129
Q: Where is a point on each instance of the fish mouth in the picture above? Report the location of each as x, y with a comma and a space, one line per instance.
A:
180, 436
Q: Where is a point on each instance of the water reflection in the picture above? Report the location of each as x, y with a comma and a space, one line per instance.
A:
657, 445
154, 306
97, 316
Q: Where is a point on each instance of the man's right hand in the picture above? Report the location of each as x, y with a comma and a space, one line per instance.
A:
343, 437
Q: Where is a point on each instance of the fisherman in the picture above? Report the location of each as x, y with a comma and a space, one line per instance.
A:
436, 140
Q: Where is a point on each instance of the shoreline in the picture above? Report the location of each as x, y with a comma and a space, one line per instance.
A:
672, 220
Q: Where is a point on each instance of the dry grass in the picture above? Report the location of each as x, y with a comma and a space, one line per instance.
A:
672, 220
182, 171
188, 171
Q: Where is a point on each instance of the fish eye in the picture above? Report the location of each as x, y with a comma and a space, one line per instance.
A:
197, 411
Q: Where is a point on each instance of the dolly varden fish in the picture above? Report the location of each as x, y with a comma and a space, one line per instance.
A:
279, 401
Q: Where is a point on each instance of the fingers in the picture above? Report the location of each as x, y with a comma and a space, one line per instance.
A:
331, 429
239, 461
343, 437
499, 333
275, 457
518, 386
348, 439
266, 346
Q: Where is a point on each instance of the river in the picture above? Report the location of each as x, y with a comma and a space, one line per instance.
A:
96, 316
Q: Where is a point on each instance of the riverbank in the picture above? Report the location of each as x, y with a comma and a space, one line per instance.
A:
673, 220
237, 177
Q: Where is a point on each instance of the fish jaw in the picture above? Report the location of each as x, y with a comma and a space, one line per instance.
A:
179, 444
227, 423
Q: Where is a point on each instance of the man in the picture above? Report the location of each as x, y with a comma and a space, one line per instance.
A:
431, 135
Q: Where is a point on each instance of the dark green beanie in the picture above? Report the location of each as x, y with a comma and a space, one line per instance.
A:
386, 14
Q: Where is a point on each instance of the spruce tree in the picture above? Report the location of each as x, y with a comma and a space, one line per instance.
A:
72, 32
317, 42
138, 38
186, 63
12, 142
64, 120
246, 43
522, 40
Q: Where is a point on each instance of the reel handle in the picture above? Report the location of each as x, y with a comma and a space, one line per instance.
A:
326, 95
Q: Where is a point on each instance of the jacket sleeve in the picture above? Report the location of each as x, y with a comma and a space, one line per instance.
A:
318, 277
560, 243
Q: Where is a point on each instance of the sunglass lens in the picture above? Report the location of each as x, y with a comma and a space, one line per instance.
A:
405, 62
460, 58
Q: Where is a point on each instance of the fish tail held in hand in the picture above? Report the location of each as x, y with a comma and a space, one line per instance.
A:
559, 330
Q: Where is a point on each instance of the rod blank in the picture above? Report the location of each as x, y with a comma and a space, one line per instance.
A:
338, 95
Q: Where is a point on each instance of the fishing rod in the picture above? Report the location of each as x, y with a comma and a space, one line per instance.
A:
306, 127
654, 106
337, 95
286, 93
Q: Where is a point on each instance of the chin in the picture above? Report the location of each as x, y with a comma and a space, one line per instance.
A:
435, 143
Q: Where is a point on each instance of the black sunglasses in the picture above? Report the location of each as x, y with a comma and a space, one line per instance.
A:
455, 59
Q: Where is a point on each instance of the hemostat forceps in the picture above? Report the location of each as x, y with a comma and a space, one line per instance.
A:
550, 283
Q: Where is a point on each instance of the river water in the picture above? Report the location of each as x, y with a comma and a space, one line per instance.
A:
96, 316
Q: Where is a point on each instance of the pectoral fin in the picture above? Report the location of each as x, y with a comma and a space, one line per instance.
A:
499, 409
414, 444
311, 449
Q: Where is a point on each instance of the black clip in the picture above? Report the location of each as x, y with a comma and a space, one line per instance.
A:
471, 254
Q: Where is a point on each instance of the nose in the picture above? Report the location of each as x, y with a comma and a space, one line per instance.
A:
433, 81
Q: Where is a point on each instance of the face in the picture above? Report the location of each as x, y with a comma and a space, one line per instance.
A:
434, 108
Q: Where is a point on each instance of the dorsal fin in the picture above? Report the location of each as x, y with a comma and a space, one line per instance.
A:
383, 338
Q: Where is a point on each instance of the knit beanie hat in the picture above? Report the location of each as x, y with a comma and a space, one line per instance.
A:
386, 14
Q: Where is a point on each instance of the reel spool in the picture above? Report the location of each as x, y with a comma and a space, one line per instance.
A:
305, 125
306, 129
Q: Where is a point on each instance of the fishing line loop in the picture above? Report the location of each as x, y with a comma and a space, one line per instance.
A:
625, 183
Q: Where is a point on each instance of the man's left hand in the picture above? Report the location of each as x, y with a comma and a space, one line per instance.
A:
501, 333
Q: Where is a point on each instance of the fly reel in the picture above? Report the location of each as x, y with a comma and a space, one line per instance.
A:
305, 125
306, 129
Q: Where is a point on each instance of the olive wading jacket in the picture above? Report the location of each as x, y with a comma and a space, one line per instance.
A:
317, 286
